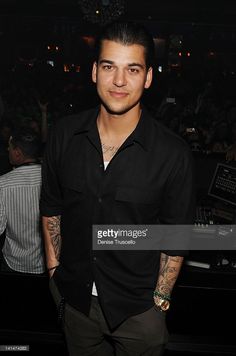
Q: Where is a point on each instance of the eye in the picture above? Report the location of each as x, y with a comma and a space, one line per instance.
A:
107, 67
134, 70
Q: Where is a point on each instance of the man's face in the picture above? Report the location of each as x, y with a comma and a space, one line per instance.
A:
121, 76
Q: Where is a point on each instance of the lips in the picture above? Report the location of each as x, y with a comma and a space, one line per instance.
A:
117, 94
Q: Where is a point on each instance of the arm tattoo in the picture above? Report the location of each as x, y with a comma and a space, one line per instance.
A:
54, 230
168, 273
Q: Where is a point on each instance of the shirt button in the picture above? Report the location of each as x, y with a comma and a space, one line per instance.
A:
99, 200
95, 258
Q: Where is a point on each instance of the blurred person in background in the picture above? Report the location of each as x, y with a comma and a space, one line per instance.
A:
23, 250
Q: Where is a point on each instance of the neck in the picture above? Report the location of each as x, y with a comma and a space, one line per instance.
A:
26, 162
29, 160
118, 125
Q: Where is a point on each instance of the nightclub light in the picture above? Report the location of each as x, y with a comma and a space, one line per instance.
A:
102, 11
66, 67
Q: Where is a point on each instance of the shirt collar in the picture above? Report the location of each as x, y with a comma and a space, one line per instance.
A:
143, 130
90, 120
141, 133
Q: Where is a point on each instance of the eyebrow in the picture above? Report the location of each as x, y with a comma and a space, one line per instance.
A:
129, 64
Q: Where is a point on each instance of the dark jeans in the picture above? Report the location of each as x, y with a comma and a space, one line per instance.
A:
144, 334
5, 268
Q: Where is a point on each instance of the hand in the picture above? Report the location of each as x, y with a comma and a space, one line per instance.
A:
51, 273
43, 106
52, 270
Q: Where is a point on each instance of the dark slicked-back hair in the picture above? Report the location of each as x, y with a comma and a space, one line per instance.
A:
28, 141
128, 33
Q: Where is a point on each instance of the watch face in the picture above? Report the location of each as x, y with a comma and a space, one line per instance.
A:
164, 304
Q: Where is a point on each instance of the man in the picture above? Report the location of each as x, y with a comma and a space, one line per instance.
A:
19, 206
114, 165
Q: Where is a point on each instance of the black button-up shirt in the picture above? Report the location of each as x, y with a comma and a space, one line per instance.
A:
148, 181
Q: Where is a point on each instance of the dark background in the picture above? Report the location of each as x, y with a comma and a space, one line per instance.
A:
34, 32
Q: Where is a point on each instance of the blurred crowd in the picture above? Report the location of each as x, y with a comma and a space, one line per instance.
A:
198, 107
203, 112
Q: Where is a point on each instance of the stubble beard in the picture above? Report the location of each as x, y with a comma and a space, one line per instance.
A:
123, 110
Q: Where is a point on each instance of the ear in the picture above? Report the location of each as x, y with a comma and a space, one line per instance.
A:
148, 78
94, 72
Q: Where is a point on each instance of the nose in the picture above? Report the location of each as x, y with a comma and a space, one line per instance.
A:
119, 78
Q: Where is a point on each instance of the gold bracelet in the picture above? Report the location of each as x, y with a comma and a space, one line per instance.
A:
160, 295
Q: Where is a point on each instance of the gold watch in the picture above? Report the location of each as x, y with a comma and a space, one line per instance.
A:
163, 304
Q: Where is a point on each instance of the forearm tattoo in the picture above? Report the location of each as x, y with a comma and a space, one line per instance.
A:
169, 270
54, 230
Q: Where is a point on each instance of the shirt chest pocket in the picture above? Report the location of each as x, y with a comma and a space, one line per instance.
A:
136, 205
73, 192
